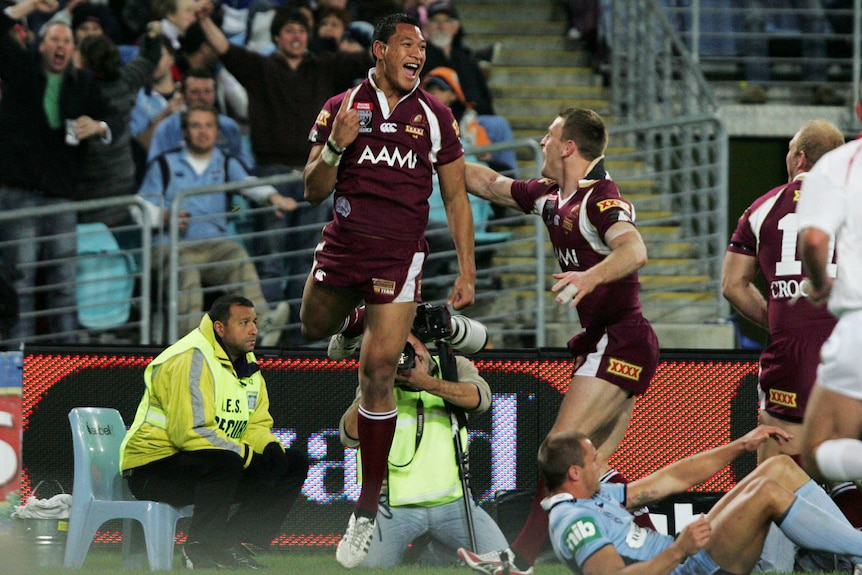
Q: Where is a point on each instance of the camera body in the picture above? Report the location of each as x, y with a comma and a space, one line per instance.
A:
435, 323
432, 322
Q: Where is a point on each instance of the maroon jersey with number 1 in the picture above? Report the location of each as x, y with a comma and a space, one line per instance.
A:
767, 231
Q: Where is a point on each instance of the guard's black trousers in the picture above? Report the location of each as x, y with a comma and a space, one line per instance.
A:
213, 480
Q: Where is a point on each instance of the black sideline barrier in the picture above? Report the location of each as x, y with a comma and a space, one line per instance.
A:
698, 399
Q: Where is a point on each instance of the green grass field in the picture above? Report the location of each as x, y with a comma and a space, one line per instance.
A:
108, 562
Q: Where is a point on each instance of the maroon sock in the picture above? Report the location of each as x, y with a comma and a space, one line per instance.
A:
534, 533
376, 431
355, 323
848, 498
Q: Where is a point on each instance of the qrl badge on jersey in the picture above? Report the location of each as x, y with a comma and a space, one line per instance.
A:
364, 109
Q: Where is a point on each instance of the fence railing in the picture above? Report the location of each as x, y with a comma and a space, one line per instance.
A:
104, 272
793, 45
673, 171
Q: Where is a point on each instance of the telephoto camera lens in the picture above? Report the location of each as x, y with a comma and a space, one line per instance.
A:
468, 335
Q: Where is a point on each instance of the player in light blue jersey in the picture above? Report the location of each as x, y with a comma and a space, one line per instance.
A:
594, 534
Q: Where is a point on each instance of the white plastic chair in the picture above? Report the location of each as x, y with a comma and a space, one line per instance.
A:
100, 494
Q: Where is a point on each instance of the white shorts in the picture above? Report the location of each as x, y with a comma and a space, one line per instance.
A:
840, 370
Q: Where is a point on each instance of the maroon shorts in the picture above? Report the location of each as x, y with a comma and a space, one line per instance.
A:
788, 368
381, 270
624, 354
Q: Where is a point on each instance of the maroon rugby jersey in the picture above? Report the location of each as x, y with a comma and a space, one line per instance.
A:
384, 178
577, 228
767, 230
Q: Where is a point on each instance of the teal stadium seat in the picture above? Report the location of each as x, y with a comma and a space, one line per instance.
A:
481, 216
100, 494
105, 278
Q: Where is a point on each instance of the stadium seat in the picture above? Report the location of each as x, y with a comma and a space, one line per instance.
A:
105, 279
100, 494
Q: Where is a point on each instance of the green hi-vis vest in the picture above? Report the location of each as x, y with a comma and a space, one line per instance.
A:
423, 469
208, 393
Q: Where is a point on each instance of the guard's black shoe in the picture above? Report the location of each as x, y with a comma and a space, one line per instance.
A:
243, 558
198, 556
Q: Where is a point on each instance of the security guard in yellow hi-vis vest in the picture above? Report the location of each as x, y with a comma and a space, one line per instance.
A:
423, 493
202, 435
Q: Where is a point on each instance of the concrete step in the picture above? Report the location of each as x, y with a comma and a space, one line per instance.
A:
695, 335
517, 12
545, 108
520, 41
694, 307
536, 26
660, 234
671, 249
541, 76
518, 56
568, 93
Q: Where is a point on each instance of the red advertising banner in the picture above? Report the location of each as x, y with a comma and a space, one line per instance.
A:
11, 378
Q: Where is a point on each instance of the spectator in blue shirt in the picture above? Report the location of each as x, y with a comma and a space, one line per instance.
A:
199, 86
204, 229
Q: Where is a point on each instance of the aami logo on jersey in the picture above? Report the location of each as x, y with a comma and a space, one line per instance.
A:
624, 369
389, 157
605, 205
785, 398
579, 533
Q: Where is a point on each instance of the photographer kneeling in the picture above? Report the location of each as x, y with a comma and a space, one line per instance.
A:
425, 489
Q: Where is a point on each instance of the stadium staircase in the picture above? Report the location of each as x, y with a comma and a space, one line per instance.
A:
535, 72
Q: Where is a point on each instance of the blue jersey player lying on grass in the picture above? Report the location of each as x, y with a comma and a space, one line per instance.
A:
593, 532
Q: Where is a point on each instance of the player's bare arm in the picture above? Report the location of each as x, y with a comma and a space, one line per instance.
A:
737, 286
460, 219
628, 254
485, 183
685, 473
814, 246
321, 170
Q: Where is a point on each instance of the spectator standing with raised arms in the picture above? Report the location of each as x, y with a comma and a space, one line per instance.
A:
830, 218
377, 146
600, 251
48, 111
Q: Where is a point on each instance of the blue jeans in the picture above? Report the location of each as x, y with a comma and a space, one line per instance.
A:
28, 248
398, 527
